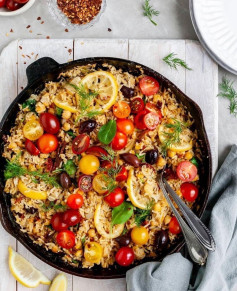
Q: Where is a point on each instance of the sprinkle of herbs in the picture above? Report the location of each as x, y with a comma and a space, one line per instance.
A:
172, 61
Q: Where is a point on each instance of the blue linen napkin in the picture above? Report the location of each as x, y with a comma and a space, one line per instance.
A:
220, 271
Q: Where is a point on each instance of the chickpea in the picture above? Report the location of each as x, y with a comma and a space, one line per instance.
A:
40, 108
157, 207
91, 232
188, 156
167, 219
66, 126
55, 249
171, 153
161, 162
66, 114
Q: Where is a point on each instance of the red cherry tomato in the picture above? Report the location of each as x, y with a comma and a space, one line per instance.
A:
153, 108
122, 175
125, 256
138, 120
75, 201
189, 191
115, 198
186, 171
57, 222
149, 86
66, 239
96, 151
121, 109
107, 165
50, 123
85, 183
2, 3
151, 120
31, 148
137, 105
21, 1
120, 141
125, 126
80, 144
174, 226
71, 217
47, 143
12, 5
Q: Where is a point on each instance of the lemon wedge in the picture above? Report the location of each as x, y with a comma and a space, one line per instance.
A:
33, 194
99, 224
59, 283
24, 272
64, 105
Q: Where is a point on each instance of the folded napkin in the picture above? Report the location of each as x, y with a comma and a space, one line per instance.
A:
220, 272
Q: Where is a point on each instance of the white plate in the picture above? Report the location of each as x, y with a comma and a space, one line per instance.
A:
215, 22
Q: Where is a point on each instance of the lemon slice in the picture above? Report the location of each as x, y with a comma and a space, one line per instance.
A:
59, 283
64, 105
24, 272
99, 220
33, 194
107, 87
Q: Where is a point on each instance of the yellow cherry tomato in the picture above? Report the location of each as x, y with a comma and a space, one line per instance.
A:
140, 235
89, 164
33, 130
93, 252
99, 184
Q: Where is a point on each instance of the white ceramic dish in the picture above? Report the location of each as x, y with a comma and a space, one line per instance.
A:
5, 12
215, 23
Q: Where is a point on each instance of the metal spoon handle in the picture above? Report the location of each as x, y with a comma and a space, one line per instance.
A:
201, 231
197, 251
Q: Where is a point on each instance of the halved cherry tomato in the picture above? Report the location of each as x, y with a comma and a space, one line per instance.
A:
99, 184
174, 226
71, 217
57, 222
125, 256
125, 126
153, 108
151, 120
50, 122
137, 105
2, 3
189, 191
21, 1
115, 198
33, 130
93, 252
80, 144
120, 141
66, 239
96, 151
12, 5
121, 109
122, 175
47, 143
186, 171
31, 148
138, 120
85, 183
149, 86
75, 201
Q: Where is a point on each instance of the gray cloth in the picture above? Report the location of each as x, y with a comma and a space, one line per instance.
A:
220, 271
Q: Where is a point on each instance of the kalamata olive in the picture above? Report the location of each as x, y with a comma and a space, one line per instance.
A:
131, 159
65, 180
151, 156
87, 126
31, 210
124, 240
161, 239
127, 92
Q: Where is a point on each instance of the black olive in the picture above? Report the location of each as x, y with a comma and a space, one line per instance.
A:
65, 180
87, 126
31, 210
151, 157
161, 240
123, 240
131, 160
127, 92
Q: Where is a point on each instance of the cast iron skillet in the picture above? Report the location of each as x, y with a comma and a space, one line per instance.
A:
46, 69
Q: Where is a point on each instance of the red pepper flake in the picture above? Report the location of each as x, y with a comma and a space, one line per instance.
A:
39, 18
20, 47
36, 57
22, 88
30, 31
28, 26
42, 22
23, 56
70, 51
28, 57
32, 54
48, 37
66, 30
11, 30
24, 63
109, 29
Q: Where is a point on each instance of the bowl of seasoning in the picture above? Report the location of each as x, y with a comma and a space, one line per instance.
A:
73, 14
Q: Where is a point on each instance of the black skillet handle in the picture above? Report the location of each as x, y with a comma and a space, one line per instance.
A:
40, 68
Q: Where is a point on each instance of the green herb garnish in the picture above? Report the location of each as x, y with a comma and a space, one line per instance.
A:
122, 213
174, 62
83, 240
71, 133
75, 262
54, 206
141, 157
70, 168
227, 91
149, 11
195, 162
107, 132
142, 214
59, 111
60, 207
49, 226
30, 103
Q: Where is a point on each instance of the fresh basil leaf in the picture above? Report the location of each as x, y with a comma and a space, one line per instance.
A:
70, 133
30, 103
59, 111
141, 157
70, 168
107, 132
122, 213
194, 161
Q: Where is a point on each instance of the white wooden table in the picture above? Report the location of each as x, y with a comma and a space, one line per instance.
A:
201, 84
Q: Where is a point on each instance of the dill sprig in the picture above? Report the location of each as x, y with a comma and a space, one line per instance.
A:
174, 62
149, 11
227, 91
142, 214
54, 206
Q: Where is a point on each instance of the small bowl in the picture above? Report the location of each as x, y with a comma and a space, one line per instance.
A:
24, 8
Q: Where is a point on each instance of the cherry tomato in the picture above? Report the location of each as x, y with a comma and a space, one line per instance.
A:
137, 105
189, 191
153, 108
138, 120
57, 222
174, 226
2, 3
149, 86
50, 123
99, 184
80, 144
96, 151
115, 198
151, 120
186, 171
139, 235
85, 183
122, 175
75, 201
120, 141
21, 1
89, 164
47, 143
125, 256
125, 126
121, 109
71, 217
33, 130
66, 239
12, 5
93, 252
31, 148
